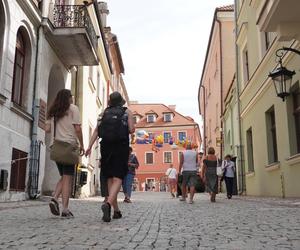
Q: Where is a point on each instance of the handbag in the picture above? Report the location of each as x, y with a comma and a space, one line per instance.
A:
64, 152
219, 169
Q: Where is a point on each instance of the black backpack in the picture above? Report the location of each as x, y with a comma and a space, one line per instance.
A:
113, 127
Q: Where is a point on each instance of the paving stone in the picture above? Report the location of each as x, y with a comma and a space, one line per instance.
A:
155, 221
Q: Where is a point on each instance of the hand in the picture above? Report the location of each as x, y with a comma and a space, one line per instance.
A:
88, 152
81, 150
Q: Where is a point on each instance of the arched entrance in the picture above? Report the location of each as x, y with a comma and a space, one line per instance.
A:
56, 82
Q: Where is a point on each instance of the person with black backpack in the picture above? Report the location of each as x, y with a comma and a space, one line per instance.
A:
114, 126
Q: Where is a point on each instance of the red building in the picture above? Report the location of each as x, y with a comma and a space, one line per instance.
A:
160, 134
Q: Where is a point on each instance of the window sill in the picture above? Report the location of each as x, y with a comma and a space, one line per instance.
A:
272, 166
2, 99
293, 160
250, 174
20, 111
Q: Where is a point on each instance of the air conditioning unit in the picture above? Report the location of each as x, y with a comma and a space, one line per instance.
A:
3, 179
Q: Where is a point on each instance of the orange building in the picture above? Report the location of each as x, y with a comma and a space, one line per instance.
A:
160, 134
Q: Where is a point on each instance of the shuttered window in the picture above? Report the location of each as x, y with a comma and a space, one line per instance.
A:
18, 170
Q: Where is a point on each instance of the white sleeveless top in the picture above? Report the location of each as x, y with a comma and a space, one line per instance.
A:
189, 160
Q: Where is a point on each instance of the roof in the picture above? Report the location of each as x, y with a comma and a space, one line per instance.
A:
226, 8
151, 112
160, 110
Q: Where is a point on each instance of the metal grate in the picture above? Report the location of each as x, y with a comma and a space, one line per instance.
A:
74, 16
34, 169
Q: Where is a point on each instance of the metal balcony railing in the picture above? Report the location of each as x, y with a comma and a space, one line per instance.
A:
74, 16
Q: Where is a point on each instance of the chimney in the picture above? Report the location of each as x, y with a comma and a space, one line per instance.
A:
173, 107
103, 12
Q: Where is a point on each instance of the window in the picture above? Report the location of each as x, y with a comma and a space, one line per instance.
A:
149, 158
135, 119
181, 136
167, 157
296, 102
249, 139
19, 68
246, 65
150, 118
168, 117
18, 170
271, 135
267, 39
167, 137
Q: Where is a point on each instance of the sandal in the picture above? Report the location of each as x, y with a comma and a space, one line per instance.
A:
54, 207
67, 214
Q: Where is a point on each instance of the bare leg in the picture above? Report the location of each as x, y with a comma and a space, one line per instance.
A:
58, 189
114, 185
66, 190
192, 192
183, 191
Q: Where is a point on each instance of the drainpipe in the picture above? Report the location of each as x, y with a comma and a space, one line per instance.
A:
204, 119
240, 149
35, 103
221, 84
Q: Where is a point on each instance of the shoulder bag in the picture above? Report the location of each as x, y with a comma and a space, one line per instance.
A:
64, 152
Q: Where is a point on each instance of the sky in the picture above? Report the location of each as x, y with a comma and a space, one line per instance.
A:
163, 45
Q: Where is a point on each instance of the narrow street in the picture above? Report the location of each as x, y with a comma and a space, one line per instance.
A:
155, 221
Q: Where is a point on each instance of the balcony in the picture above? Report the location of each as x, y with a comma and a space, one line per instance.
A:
72, 35
281, 16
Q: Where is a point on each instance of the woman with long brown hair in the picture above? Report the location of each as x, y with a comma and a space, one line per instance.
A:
63, 121
209, 174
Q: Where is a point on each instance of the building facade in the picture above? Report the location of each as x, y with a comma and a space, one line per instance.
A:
216, 78
269, 127
46, 46
170, 129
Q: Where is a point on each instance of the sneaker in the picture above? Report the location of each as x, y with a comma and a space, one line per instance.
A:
67, 214
191, 201
106, 209
117, 215
182, 199
54, 207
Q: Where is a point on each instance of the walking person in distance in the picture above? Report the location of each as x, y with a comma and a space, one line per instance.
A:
63, 121
209, 174
188, 165
171, 174
229, 170
133, 164
113, 130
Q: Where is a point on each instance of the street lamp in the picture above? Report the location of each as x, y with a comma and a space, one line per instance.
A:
282, 77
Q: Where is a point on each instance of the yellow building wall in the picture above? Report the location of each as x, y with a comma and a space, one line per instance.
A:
257, 96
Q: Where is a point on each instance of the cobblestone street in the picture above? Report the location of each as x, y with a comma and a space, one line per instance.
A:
155, 221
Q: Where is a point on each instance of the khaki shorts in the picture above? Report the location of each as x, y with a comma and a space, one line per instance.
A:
189, 178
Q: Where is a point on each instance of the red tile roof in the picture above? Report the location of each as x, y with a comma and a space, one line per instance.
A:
226, 8
160, 109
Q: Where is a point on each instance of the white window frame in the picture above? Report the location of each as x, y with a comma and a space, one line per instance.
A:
151, 115
168, 114
149, 152
164, 135
165, 156
183, 131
